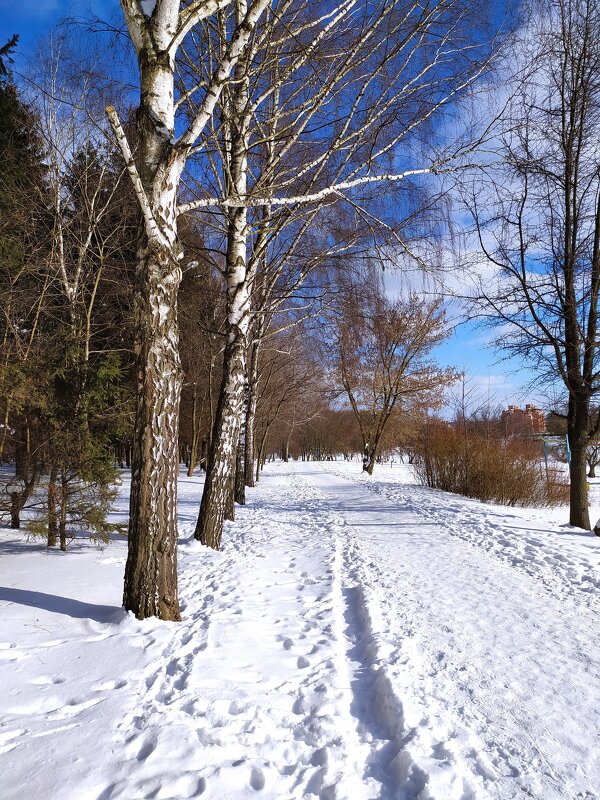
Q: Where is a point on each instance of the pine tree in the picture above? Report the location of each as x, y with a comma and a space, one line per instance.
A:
23, 225
6, 55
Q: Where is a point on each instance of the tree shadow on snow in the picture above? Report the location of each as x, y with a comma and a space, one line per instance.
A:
61, 605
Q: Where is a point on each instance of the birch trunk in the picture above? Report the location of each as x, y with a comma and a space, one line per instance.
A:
220, 470
217, 497
240, 468
151, 570
220, 473
368, 460
239, 489
252, 402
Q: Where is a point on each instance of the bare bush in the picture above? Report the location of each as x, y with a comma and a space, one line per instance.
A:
489, 467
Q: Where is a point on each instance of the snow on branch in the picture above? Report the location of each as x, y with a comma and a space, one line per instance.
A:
313, 197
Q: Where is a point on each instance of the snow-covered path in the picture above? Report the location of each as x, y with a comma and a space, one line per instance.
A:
495, 675
345, 644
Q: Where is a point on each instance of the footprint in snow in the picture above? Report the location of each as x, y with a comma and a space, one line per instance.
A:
52, 643
236, 708
107, 686
146, 750
72, 709
151, 680
257, 779
45, 680
8, 739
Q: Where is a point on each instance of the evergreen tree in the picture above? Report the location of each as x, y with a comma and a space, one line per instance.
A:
23, 242
6, 55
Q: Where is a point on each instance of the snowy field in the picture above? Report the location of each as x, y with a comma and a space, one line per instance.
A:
355, 638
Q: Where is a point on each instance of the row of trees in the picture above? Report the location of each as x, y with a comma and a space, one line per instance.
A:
69, 237
274, 152
263, 117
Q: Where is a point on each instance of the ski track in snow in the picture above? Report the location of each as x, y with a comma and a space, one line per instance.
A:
495, 675
341, 646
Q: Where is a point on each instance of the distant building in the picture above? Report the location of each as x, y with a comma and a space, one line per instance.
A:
523, 422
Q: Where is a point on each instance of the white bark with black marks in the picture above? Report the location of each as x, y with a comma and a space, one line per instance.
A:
157, 32
221, 468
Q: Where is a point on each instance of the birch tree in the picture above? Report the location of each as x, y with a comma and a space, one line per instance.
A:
165, 140
202, 344
317, 114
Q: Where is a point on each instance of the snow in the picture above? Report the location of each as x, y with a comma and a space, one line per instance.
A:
355, 638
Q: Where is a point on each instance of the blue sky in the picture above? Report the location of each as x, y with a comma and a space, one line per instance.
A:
31, 19
494, 379
498, 381
467, 349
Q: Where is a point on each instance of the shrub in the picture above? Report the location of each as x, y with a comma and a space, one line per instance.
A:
487, 466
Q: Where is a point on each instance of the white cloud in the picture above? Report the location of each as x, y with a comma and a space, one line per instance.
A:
42, 8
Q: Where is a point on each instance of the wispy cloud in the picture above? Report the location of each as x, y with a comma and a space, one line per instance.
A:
40, 8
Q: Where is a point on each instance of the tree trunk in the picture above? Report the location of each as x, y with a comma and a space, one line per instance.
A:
249, 446
151, 570
260, 459
194, 446
23, 452
257, 472
252, 401
27, 470
204, 448
240, 469
577, 424
64, 507
592, 472
220, 469
52, 498
368, 461
230, 498
16, 504
370, 456
211, 413
4, 431
579, 510
219, 486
